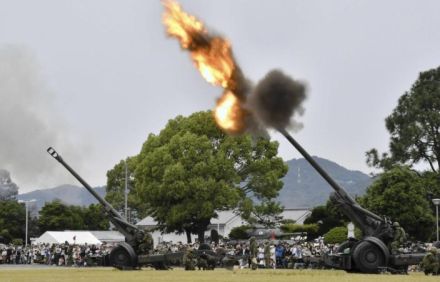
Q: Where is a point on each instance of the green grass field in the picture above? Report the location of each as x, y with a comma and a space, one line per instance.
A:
113, 275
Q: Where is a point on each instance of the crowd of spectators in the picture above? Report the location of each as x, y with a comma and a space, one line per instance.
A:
56, 254
271, 253
297, 254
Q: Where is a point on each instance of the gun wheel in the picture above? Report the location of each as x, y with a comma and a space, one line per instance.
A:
368, 257
123, 257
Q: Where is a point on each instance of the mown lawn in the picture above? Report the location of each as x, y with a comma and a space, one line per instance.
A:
112, 275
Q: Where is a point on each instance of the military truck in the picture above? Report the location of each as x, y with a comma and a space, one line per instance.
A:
372, 253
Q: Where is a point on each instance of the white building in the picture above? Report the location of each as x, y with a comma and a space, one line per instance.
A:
224, 223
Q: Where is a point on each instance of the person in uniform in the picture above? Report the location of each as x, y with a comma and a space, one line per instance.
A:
202, 261
146, 245
430, 263
267, 255
253, 251
399, 238
188, 259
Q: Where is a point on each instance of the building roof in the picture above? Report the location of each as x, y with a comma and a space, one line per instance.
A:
72, 237
108, 236
299, 215
147, 221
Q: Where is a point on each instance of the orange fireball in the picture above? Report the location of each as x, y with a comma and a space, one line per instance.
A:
212, 56
229, 114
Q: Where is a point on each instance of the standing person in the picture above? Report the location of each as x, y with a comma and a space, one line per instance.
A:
18, 255
253, 249
273, 256
188, 259
267, 255
8, 255
279, 255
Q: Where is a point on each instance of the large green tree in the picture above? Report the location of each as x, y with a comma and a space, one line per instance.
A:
192, 169
12, 220
414, 126
399, 194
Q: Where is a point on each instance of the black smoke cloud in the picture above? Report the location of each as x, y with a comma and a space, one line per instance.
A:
276, 99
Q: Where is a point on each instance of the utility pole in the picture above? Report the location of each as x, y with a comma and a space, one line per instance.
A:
126, 191
436, 202
27, 215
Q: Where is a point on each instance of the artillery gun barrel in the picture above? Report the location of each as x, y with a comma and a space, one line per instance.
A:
338, 189
315, 165
103, 202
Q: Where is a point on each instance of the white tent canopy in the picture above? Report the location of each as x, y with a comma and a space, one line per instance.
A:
72, 237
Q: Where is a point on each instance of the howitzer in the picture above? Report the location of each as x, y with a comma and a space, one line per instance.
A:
372, 253
125, 255
135, 251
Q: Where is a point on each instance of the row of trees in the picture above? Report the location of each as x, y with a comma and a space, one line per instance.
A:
54, 216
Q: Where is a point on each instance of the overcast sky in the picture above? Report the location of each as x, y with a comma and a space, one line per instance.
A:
94, 78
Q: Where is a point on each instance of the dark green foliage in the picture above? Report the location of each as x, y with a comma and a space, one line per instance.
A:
431, 182
12, 220
400, 195
326, 217
17, 242
338, 235
192, 169
95, 218
310, 229
414, 126
240, 232
56, 216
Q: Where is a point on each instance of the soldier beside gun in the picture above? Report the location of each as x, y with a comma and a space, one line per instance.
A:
399, 238
430, 263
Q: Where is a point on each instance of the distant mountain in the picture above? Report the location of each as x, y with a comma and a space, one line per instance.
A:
304, 187
68, 194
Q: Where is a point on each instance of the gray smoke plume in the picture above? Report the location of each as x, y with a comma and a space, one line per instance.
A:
29, 122
276, 99
8, 189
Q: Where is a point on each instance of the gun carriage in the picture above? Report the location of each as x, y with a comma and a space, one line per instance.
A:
136, 250
372, 253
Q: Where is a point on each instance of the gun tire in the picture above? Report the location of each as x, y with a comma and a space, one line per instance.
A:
368, 257
123, 257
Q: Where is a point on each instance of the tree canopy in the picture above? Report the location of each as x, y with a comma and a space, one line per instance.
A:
326, 217
12, 220
414, 126
57, 216
400, 195
191, 169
